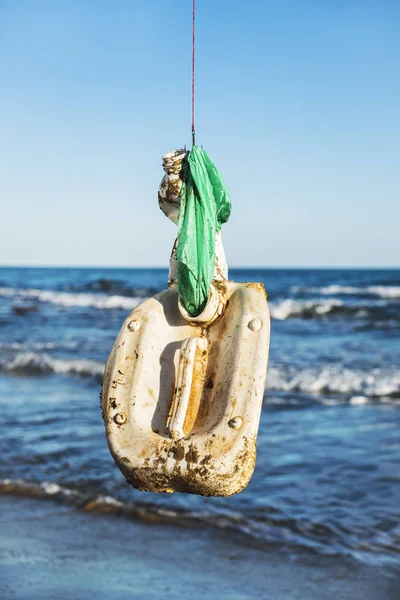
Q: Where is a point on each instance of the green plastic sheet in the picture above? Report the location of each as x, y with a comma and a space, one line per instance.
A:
204, 207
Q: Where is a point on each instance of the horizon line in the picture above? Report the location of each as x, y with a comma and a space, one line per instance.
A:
166, 267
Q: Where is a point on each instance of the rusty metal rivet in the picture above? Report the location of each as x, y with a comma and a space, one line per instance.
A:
255, 325
236, 423
134, 325
120, 418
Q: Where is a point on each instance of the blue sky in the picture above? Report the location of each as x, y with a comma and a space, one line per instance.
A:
298, 104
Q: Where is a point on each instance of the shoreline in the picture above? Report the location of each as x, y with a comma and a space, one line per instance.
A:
52, 551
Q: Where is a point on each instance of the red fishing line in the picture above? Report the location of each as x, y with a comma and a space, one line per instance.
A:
193, 57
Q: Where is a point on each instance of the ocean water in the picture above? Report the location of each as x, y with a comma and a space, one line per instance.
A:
328, 468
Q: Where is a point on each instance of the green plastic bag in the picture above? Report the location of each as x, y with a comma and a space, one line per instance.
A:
204, 207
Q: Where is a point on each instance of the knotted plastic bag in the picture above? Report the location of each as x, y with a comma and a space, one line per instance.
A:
204, 207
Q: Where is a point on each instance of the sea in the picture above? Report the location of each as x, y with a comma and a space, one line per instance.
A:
327, 478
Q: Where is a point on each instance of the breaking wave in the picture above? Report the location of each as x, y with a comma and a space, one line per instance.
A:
69, 299
375, 291
304, 308
371, 308
34, 363
30, 346
379, 291
354, 386
324, 307
270, 529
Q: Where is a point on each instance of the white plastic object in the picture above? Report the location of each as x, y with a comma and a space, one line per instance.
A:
212, 448
192, 359
169, 200
212, 310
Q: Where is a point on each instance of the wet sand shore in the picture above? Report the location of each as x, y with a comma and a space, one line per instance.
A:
50, 551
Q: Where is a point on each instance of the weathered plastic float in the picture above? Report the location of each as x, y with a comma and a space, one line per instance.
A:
182, 392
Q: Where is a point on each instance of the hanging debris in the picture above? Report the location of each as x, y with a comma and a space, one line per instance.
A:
184, 383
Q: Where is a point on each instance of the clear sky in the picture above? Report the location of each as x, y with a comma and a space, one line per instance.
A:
298, 104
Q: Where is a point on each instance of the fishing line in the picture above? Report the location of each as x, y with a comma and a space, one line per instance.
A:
193, 61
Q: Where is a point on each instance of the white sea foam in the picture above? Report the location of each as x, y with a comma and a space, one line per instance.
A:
51, 488
320, 307
110, 501
69, 299
280, 310
380, 291
303, 308
33, 362
29, 346
41, 489
375, 383
392, 291
358, 400
351, 384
